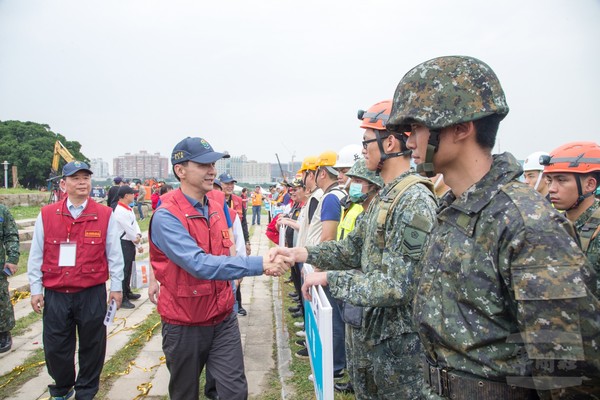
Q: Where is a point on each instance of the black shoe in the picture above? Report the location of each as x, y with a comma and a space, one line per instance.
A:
338, 374
212, 396
294, 309
242, 312
127, 304
303, 353
297, 314
5, 342
343, 387
134, 296
301, 343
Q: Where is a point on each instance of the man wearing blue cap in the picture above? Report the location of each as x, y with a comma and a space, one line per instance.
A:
74, 250
236, 203
190, 251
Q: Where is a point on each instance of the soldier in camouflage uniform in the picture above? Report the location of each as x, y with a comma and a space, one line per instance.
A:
573, 175
377, 266
9, 258
505, 294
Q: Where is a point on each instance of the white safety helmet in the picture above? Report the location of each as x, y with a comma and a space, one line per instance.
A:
348, 155
532, 162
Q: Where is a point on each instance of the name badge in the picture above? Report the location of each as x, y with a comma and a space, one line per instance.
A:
66, 257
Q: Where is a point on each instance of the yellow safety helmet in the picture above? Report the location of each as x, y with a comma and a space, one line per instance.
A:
327, 160
308, 164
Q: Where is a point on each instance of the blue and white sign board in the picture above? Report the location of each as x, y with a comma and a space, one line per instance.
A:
319, 340
276, 210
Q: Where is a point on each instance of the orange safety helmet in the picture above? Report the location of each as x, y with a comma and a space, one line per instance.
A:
309, 164
573, 157
376, 116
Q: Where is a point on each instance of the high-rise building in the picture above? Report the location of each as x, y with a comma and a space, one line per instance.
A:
99, 168
141, 165
244, 170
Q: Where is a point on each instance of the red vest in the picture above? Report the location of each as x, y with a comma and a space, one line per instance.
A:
89, 233
236, 204
185, 300
220, 197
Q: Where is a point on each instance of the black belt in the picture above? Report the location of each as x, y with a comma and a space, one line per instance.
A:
460, 387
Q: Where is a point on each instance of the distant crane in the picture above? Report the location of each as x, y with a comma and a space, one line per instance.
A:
60, 150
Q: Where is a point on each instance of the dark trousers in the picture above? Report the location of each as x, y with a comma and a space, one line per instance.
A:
339, 333
296, 275
128, 258
67, 316
189, 348
238, 296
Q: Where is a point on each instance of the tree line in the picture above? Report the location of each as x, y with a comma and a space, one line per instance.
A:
30, 146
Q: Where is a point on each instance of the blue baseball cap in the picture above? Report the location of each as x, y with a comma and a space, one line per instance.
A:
195, 149
74, 167
227, 178
217, 182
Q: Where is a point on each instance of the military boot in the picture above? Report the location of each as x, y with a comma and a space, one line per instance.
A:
5, 342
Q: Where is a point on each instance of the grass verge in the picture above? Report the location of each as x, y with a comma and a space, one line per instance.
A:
121, 360
30, 368
303, 388
20, 212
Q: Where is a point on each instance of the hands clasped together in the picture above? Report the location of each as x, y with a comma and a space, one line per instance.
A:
276, 264
291, 256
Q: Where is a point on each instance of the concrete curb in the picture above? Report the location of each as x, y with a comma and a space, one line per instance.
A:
284, 354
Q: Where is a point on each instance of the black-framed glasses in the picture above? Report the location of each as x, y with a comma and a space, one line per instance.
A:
365, 143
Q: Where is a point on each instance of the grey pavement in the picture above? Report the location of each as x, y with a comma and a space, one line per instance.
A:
147, 375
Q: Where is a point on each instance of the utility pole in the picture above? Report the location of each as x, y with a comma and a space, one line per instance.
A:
5, 163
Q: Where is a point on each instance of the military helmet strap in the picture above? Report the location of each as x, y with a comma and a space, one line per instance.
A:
383, 155
389, 201
433, 144
581, 196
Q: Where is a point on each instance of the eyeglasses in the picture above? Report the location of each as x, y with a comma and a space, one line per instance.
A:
365, 143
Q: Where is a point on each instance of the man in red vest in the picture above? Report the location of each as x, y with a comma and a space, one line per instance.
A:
190, 253
74, 250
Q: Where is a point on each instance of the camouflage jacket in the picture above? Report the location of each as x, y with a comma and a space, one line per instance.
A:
503, 286
9, 234
384, 281
593, 250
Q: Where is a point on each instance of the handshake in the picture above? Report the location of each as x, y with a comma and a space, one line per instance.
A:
280, 259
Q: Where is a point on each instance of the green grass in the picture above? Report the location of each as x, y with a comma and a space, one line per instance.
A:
23, 324
300, 368
19, 191
20, 212
30, 368
121, 360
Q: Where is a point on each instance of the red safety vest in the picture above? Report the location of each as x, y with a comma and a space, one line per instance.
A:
237, 204
89, 233
185, 300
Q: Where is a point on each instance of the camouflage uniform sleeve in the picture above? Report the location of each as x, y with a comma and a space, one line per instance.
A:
10, 237
546, 274
390, 277
338, 255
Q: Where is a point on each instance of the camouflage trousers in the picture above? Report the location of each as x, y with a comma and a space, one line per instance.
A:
7, 314
388, 370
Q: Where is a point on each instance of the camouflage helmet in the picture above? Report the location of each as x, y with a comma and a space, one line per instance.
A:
360, 170
445, 91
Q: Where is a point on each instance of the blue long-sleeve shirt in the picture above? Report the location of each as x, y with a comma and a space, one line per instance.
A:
173, 239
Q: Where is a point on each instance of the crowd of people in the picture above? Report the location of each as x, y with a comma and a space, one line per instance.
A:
472, 277
466, 277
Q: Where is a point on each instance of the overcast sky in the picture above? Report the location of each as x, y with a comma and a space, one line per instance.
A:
261, 77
